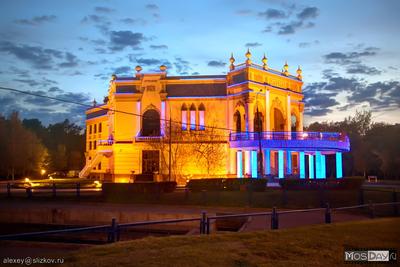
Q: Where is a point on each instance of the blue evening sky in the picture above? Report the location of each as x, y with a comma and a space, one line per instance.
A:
348, 50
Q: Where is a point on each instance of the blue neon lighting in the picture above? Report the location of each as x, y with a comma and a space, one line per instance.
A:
311, 166
323, 166
302, 165
280, 164
318, 165
288, 162
267, 158
239, 164
339, 165
254, 164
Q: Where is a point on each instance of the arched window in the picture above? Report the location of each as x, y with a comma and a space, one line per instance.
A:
202, 111
151, 123
279, 121
192, 117
258, 122
238, 121
184, 117
293, 122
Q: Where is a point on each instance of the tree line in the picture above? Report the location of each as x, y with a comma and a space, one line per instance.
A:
27, 147
375, 147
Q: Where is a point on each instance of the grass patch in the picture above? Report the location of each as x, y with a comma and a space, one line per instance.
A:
321, 245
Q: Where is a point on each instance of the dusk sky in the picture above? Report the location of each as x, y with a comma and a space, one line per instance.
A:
348, 50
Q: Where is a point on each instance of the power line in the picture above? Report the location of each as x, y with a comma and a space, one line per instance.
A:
106, 109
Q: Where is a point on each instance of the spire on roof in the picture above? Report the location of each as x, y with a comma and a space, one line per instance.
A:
285, 70
138, 68
248, 56
299, 73
232, 60
265, 62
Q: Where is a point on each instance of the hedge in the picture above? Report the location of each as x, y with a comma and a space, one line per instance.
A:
134, 188
231, 184
351, 183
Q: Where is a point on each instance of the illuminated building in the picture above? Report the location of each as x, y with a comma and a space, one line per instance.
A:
252, 108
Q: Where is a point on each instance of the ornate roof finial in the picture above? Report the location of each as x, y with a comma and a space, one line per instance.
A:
299, 73
285, 70
138, 68
163, 68
232, 60
113, 77
265, 62
248, 55
94, 102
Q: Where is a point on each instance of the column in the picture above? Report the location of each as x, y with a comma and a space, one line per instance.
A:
267, 162
280, 164
231, 163
138, 119
311, 166
300, 126
288, 115
253, 164
288, 162
247, 166
302, 165
250, 116
323, 166
318, 165
267, 110
239, 164
162, 118
339, 166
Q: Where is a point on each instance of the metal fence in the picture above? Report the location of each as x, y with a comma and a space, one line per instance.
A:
113, 230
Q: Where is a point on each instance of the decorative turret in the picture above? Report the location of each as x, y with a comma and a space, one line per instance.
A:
232, 60
299, 73
248, 56
285, 70
163, 68
138, 68
94, 103
113, 77
265, 62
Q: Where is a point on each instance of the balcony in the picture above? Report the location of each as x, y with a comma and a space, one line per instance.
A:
300, 141
148, 138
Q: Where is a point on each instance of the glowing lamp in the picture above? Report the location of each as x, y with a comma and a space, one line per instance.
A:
42, 171
27, 180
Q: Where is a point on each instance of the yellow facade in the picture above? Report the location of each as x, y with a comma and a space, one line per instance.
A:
216, 105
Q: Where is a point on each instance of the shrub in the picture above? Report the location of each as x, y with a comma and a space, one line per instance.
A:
231, 184
134, 188
350, 183
208, 184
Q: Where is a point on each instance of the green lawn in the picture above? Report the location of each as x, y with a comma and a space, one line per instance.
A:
321, 245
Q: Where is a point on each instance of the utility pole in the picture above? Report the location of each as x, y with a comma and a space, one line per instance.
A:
170, 146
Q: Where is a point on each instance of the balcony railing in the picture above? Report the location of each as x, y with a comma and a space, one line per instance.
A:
323, 136
147, 138
107, 142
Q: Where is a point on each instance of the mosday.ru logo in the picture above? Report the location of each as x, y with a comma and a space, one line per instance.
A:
378, 255
356, 255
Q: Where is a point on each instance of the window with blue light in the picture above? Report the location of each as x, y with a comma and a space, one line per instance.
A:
192, 117
201, 117
184, 117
